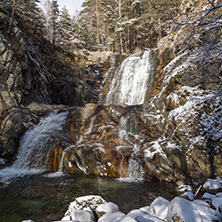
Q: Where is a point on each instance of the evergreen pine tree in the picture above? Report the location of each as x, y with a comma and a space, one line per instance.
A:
65, 25
53, 21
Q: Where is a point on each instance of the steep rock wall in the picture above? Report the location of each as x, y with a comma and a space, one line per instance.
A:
32, 70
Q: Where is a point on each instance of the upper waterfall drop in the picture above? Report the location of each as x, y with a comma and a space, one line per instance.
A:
129, 83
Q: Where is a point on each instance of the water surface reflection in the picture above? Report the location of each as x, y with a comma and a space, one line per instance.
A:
44, 197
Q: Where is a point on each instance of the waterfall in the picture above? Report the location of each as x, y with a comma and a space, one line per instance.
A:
130, 81
135, 169
34, 147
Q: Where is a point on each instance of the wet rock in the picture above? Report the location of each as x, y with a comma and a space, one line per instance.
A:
41, 109
97, 141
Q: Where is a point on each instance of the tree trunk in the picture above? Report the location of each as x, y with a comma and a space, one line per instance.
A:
12, 17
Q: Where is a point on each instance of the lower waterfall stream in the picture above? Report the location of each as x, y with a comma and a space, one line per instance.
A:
135, 171
33, 150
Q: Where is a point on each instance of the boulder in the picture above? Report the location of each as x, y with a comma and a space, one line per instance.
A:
128, 219
82, 215
217, 203
106, 208
181, 209
207, 213
85, 202
135, 213
213, 184
159, 208
117, 217
148, 218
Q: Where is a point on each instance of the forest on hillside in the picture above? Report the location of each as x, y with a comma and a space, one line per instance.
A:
123, 26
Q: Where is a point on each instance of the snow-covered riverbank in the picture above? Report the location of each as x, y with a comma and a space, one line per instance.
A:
185, 207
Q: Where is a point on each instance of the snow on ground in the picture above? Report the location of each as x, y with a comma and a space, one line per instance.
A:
179, 209
195, 98
155, 148
213, 184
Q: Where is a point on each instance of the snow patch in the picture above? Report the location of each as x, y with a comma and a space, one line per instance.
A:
155, 148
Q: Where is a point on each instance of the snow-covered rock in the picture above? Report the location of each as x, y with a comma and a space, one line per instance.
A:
207, 213
66, 218
144, 209
217, 203
189, 195
107, 208
82, 215
181, 209
135, 213
159, 208
219, 194
213, 184
148, 218
27, 221
83, 205
127, 219
208, 197
117, 217
184, 188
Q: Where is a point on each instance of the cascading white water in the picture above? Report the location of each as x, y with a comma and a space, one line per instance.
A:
129, 84
135, 169
34, 149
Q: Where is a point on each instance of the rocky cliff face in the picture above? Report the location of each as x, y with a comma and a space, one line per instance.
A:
186, 114
177, 131
32, 70
175, 135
